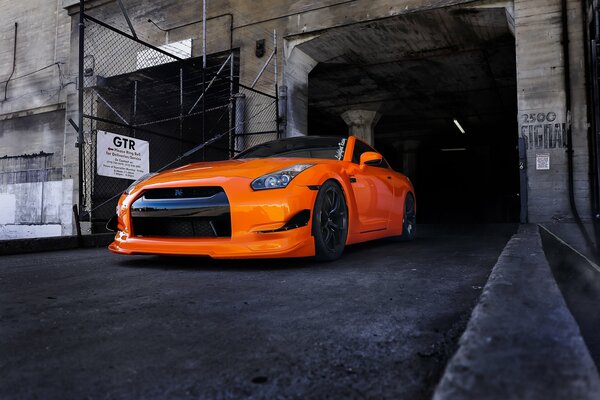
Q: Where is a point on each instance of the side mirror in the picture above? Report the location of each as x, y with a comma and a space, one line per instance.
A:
370, 158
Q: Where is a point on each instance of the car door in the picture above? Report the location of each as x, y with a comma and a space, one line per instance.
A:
373, 190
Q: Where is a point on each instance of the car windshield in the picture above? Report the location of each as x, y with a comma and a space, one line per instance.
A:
331, 148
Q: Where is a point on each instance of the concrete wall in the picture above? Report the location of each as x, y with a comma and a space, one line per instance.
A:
42, 45
542, 113
240, 23
36, 199
35, 209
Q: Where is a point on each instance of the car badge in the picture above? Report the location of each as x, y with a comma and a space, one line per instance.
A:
178, 192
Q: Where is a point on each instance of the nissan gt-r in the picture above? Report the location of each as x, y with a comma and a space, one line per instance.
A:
294, 197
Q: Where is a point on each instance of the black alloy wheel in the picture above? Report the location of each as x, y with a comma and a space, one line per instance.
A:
330, 222
409, 219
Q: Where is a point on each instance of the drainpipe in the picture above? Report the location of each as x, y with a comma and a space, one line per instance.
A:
14, 64
589, 55
570, 168
567, 83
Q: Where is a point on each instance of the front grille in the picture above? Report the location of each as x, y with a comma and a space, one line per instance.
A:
182, 227
182, 212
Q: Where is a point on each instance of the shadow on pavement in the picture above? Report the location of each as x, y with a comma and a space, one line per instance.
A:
366, 252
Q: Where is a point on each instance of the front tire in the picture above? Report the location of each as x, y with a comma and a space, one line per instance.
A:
409, 219
330, 222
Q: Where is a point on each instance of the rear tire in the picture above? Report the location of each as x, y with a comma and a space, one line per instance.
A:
330, 222
409, 219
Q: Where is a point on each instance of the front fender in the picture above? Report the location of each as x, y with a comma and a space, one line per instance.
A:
321, 173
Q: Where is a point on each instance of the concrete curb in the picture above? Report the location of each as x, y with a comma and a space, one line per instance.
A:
35, 245
521, 341
578, 278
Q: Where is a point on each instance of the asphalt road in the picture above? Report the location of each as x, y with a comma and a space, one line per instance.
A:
379, 323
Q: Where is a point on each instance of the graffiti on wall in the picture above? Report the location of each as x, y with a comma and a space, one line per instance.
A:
543, 130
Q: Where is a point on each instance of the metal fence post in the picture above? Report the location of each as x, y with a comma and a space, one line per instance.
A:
231, 107
181, 109
80, 140
523, 180
135, 100
282, 111
240, 122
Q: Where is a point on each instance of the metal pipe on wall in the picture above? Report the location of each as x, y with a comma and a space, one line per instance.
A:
14, 64
568, 102
593, 110
203, 76
204, 34
567, 87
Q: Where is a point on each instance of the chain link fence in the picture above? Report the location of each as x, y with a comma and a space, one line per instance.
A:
163, 96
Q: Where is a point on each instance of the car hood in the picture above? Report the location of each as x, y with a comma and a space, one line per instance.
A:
246, 168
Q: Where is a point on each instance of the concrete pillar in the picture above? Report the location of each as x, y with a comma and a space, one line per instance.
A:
543, 119
297, 66
362, 124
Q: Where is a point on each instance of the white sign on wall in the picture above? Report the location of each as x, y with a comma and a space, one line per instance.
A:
122, 156
542, 162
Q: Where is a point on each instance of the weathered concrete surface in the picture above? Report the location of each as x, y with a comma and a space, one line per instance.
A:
521, 341
578, 278
56, 242
379, 323
42, 40
32, 116
580, 237
35, 209
542, 93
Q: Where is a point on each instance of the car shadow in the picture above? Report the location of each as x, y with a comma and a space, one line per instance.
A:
202, 263
209, 264
428, 235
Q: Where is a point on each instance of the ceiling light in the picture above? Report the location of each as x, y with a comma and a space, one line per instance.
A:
460, 128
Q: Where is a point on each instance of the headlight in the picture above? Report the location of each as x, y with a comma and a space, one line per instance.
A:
138, 181
279, 179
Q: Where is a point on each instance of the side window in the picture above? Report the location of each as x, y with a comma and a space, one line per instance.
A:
359, 148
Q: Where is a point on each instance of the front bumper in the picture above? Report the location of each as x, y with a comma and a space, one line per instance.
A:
293, 243
255, 218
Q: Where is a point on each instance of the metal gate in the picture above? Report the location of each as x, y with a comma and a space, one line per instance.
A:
161, 95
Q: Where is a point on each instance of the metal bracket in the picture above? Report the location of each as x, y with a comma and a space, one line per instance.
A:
124, 11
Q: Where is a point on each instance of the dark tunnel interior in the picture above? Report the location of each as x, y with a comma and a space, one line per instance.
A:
422, 88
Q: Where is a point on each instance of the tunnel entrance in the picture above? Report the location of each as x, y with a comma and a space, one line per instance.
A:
443, 84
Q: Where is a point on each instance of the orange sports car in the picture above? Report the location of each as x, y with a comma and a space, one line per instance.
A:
295, 197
